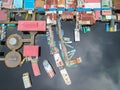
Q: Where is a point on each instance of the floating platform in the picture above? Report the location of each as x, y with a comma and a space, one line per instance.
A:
14, 42
12, 59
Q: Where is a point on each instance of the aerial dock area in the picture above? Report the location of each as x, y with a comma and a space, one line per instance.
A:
59, 42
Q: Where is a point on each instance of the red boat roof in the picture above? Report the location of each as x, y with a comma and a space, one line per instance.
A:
30, 50
92, 1
31, 25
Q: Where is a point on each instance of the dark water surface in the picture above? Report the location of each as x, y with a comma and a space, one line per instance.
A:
99, 70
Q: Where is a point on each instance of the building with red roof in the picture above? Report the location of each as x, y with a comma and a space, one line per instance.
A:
85, 18
31, 50
31, 26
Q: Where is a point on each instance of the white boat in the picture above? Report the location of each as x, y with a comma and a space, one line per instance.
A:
58, 60
77, 34
26, 80
48, 69
65, 76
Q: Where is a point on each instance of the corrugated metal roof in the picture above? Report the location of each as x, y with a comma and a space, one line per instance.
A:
18, 3
92, 1
92, 5
71, 3
7, 3
61, 3
86, 17
3, 16
30, 50
106, 12
31, 25
39, 4
97, 14
29, 4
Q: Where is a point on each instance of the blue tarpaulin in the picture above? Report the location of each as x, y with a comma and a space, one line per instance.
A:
18, 3
29, 4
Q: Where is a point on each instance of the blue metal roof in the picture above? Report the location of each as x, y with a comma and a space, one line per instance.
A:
29, 4
18, 3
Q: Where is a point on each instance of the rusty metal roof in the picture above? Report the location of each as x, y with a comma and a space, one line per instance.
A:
116, 4
39, 4
7, 3
83, 16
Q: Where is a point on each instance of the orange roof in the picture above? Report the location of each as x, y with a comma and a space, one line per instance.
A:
31, 25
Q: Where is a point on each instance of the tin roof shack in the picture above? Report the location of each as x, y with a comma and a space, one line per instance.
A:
80, 3
7, 4
31, 26
31, 50
116, 4
85, 18
61, 3
18, 4
39, 3
51, 17
71, 3
92, 4
67, 15
3, 15
29, 4
106, 3
51, 4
